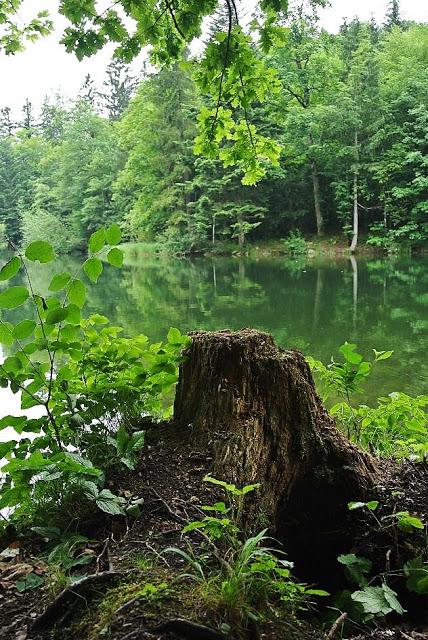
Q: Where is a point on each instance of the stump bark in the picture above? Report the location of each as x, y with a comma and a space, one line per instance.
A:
254, 406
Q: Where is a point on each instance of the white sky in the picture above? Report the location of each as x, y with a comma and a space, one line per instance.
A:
46, 68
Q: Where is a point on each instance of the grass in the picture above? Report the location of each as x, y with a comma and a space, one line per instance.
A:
316, 247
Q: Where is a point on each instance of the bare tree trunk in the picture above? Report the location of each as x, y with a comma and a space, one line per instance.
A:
317, 199
256, 409
355, 194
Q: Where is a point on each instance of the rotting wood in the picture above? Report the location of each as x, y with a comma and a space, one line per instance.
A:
255, 407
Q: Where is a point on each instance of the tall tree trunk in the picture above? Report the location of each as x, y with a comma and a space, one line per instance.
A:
355, 196
256, 409
317, 198
241, 235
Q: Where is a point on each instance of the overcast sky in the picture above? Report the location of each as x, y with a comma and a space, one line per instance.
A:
45, 67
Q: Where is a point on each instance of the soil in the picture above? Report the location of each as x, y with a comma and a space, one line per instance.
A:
169, 478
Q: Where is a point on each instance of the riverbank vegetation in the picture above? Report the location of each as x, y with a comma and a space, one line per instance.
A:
347, 112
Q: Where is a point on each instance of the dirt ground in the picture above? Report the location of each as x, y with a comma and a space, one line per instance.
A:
169, 478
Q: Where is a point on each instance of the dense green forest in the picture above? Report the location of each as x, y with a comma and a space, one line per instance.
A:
349, 113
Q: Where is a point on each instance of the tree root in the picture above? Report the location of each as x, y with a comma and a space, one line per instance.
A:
189, 630
61, 609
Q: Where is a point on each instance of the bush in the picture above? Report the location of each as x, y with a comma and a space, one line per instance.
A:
92, 387
295, 243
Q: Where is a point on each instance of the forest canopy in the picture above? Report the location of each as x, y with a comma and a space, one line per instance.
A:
348, 118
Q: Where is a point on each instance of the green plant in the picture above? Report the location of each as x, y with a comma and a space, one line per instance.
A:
344, 378
295, 243
396, 427
240, 577
90, 385
416, 572
369, 601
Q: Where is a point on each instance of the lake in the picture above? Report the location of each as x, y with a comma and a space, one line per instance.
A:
309, 304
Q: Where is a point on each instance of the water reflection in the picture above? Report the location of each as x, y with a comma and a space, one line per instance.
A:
310, 305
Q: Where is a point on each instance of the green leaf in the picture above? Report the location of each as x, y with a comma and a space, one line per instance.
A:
77, 293
51, 533
391, 598
30, 581
56, 315
356, 567
356, 505
6, 333
378, 600
113, 234
24, 329
349, 353
10, 269
13, 297
416, 572
115, 257
40, 251
122, 439
109, 503
16, 422
93, 267
372, 505
174, 336
97, 240
407, 523
137, 441
59, 281
382, 355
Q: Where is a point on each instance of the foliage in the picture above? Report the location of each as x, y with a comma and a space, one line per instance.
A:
344, 378
396, 427
347, 110
295, 243
89, 386
241, 577
230, 72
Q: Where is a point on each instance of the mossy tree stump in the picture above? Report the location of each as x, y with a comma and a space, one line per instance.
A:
255, 407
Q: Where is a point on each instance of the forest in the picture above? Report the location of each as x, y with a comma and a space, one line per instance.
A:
348, 112
213, 328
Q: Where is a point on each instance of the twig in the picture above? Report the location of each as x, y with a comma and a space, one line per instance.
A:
189, 629
174, 19
104, 549
157, 554
340, 620
225, 63
168, 508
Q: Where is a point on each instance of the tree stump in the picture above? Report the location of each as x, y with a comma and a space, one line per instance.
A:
255, 407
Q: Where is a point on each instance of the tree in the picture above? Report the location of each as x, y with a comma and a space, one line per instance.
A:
308, 66
157, 132
119, 89
88, 91
6, 124
41, 222
53, 119
230, 71
392, 17
28, 123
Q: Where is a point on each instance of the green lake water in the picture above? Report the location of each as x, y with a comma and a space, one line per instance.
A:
310, 305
